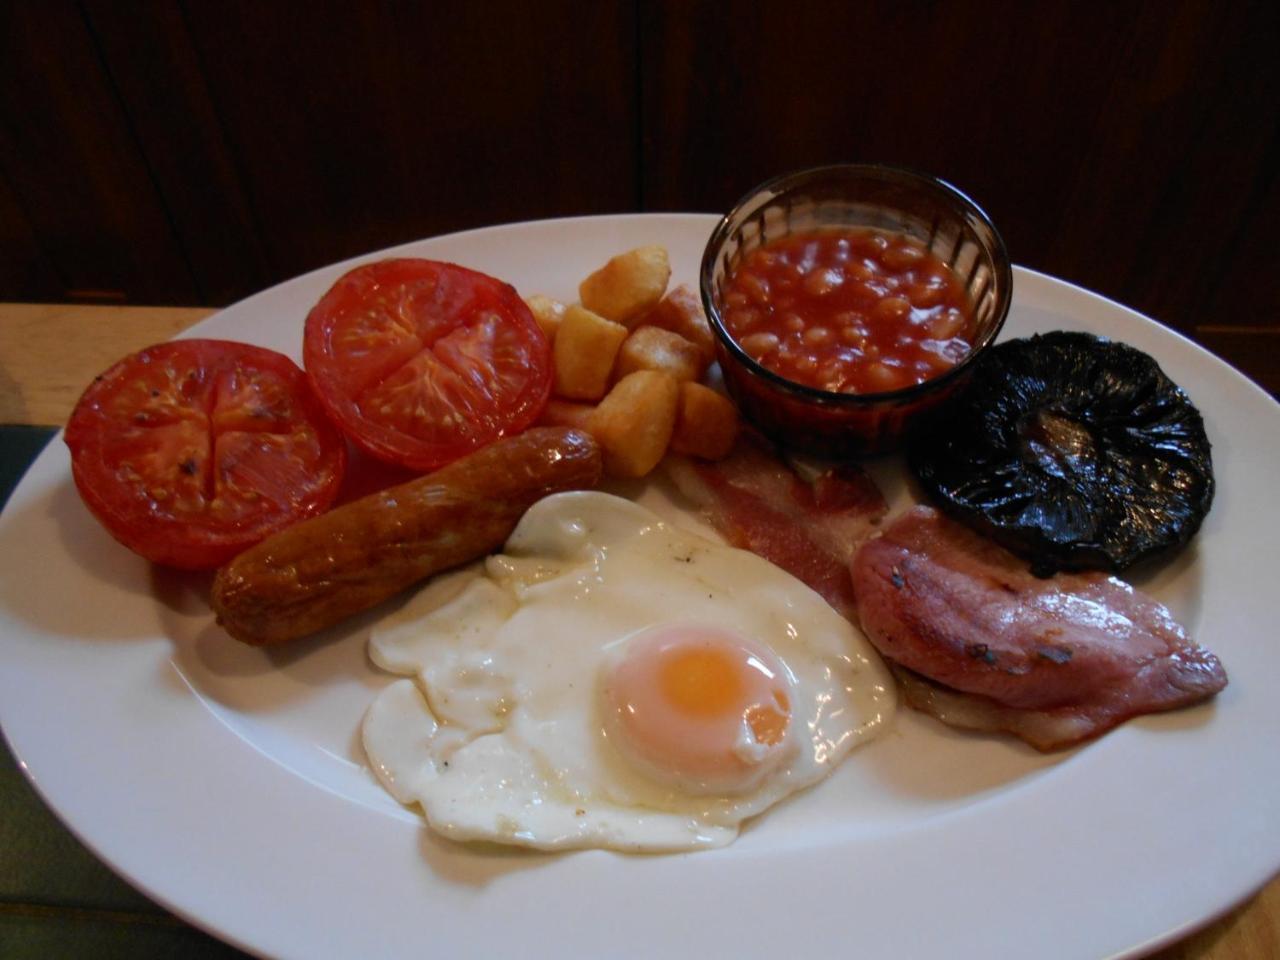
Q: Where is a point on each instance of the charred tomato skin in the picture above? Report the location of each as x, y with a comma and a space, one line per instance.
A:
190, 451
1072, 450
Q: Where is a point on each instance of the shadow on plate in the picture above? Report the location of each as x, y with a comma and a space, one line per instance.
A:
73, 580
922, 759
478, 864
260, 680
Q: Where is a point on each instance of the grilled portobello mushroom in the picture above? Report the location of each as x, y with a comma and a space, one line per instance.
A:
1072, 450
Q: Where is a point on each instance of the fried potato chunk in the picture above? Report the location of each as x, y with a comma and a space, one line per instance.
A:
566, 413
548, 312
652, 348
628, 286
706, 423
633, 424
680, 311
584, 350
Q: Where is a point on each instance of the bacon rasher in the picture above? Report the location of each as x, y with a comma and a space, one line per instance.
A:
808, 527
981, 643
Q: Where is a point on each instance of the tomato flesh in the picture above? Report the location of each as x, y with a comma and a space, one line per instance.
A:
190, 451
420, 362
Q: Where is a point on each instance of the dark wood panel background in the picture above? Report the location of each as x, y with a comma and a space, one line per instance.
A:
192, 153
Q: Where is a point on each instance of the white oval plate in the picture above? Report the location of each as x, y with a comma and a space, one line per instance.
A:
228, 783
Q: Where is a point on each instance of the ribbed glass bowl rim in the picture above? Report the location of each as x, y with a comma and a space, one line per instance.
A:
902, 175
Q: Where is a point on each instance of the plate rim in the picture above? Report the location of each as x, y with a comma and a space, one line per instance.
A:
1041, 286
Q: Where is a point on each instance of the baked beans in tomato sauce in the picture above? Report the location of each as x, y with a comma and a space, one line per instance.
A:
849, 311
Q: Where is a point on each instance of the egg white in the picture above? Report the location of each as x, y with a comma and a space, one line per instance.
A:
499, 735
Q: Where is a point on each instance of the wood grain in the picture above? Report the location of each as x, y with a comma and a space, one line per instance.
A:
1250, 932
1133, 149
391, 121
25, 270
154, 68
70, 158
195, 153
49, 353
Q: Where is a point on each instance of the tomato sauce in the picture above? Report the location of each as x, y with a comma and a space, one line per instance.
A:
849, 311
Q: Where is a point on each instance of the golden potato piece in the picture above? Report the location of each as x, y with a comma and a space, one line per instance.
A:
680, 311
652, 348
548, 312
633, 424
584, 350
628, 286
706, 423
566, 413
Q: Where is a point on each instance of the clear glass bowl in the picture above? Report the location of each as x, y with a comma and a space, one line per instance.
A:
952, 227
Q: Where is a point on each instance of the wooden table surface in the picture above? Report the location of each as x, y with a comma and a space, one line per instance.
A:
48, 354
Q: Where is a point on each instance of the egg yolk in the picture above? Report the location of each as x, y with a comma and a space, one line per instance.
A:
701, 708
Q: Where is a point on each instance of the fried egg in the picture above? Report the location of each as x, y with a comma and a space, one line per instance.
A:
612, 680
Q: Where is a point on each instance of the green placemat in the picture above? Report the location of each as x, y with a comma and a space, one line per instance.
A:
56, 898
19, 446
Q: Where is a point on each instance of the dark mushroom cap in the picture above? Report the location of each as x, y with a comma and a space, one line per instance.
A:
1071, 450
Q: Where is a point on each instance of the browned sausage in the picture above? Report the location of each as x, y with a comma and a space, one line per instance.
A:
323, 570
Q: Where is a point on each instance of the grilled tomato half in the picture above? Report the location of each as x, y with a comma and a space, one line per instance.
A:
192, 450
419, 362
